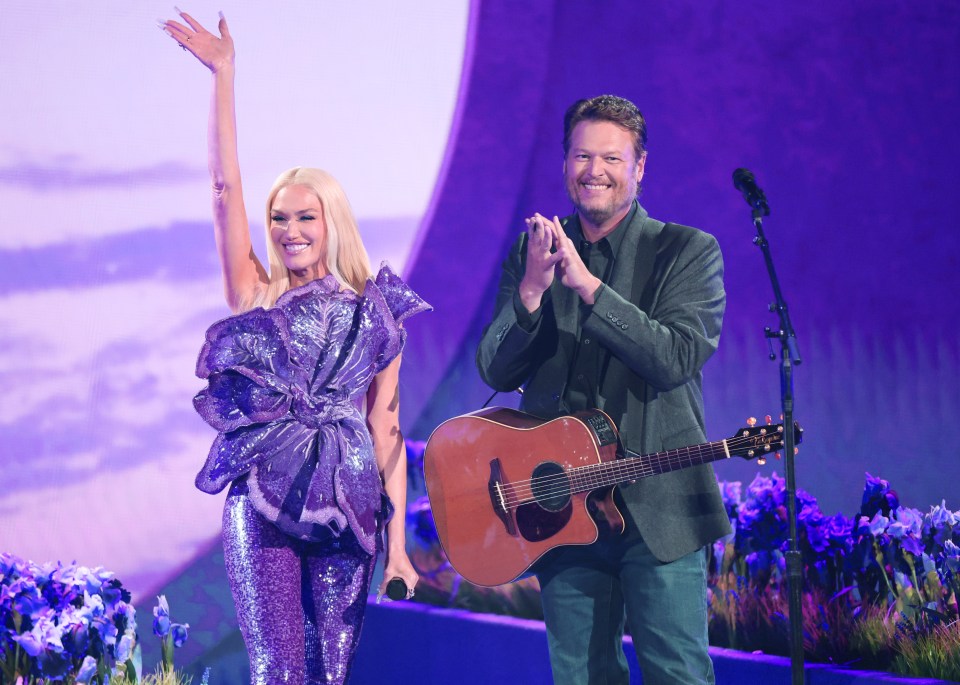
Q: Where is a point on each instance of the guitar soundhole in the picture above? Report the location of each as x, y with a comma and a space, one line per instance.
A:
550, 486
551, 507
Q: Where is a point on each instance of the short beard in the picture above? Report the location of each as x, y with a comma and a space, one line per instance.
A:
596, 216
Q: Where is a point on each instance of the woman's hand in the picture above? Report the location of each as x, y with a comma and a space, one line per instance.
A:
397, 565
215, 53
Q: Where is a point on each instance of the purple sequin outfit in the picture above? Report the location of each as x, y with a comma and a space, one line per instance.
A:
286, 388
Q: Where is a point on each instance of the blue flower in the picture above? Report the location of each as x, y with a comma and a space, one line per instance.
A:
906, 521
179, 632
939, 523
951, 556
878, 524
81, 578
161, 617
907, 527
762, 518
74, 633
420, 519
128, 616
88, 669
877, 496
27, 598
730, 491
43, 637
92, 606
125, 648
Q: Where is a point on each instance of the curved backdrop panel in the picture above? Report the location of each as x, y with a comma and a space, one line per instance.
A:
108, 269
846, 114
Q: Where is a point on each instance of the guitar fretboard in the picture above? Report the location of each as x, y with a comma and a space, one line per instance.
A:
637, 466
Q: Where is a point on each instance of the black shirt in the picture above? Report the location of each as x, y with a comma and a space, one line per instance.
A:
599, 258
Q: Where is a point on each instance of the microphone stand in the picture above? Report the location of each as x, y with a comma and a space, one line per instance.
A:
789, 357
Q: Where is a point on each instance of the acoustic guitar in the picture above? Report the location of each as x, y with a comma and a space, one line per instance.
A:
506, 487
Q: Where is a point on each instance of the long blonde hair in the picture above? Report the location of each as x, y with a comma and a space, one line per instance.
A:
346, 257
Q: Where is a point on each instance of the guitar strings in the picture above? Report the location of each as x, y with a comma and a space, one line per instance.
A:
588, 477
623, 469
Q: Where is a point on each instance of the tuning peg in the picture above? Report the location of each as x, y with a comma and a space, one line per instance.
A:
769, 419
796, 451
761, 461
752, 421
777, 455
781, 417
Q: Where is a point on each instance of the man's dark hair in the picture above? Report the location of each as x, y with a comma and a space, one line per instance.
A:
617, 110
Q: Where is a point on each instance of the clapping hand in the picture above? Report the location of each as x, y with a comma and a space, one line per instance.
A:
551, 253
540, 263
571, 270
215, 53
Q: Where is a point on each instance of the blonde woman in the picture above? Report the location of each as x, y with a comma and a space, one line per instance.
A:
303, 389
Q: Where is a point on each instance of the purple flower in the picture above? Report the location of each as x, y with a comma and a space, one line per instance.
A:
762, 518
27, 598
92, 606
878, 524
906, 522
839, 529
161, 617
88, 669
816, 532
125, 648
877, 496
906, 527
114, 594
179, 632
939, 523
128, 614
420, 519
730, 491
82, 578
74, 632
43, 637
951, 556
106, 629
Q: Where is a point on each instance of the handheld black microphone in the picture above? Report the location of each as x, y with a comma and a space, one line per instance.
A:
744, 181
397, 589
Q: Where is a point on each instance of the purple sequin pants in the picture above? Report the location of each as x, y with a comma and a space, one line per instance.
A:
300, 605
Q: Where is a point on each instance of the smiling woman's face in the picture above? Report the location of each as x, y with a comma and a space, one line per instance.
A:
299, 232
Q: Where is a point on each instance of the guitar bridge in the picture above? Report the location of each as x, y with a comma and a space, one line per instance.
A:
498, 497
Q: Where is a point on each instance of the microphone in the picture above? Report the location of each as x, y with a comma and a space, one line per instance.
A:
397, 589
744, 181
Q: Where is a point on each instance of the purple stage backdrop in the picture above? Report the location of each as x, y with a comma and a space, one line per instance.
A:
846, 112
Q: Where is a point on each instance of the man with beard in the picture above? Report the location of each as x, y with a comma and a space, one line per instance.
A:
611, 309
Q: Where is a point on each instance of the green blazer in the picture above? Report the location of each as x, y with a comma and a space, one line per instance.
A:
657, 320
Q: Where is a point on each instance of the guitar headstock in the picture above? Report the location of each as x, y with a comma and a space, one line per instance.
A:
759, 442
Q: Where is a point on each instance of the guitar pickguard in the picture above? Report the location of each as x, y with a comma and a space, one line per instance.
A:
536, 523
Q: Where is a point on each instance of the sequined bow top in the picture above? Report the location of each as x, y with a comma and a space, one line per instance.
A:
286, 389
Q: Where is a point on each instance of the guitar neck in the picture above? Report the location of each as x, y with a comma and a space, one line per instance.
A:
635, 466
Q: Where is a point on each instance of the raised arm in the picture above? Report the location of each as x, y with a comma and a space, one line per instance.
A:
243, 274
383, 420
